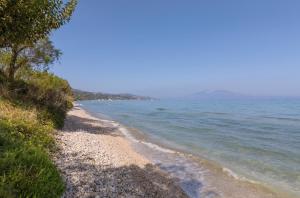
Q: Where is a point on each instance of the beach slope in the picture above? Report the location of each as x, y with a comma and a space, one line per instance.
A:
96, 160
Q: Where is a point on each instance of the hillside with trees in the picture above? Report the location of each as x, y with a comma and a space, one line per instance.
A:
33, 101
85, 95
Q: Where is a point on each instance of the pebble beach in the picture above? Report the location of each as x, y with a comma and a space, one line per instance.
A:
96, 160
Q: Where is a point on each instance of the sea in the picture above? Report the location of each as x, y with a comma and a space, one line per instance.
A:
254, 140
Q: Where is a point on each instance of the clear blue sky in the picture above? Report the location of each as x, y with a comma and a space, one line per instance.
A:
167, 48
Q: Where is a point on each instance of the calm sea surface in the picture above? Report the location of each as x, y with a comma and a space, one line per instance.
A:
256, 139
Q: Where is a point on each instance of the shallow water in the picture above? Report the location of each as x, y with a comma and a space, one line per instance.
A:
256, 139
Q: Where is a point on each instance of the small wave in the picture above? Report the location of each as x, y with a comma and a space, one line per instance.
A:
230, 173
124, 115
215, 113
151, 145
156, 147
282, 118
127, 134
236, 176
161, 109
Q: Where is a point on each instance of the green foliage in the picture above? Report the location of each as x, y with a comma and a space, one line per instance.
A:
50, 90
49, 93
41, 55
24, 30
33, 104
37, 56
26, 139
30, 109
41, 88
26, 22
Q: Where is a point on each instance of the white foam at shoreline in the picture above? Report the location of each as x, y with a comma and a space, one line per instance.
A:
127, 133
189, 175
154, 146
151, 145
230, 173
237, 177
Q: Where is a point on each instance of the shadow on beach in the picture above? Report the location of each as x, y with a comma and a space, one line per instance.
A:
75, 123
87, 176
125, 181
86, 179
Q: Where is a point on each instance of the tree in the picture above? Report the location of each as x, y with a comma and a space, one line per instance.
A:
25, 24
27, 21
36, 57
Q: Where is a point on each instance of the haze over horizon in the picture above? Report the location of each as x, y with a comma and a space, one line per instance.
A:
174, 48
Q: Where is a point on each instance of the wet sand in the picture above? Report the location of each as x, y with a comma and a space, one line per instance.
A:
96, 160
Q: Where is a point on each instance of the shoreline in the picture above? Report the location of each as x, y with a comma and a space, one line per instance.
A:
96, 160
218, 169
217, 181
223, 180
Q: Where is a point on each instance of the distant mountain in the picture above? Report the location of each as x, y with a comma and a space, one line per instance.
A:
85, 95
217, 94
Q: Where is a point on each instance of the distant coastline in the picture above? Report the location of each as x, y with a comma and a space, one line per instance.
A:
86, 95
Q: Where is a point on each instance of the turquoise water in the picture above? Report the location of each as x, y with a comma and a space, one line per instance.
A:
257, 139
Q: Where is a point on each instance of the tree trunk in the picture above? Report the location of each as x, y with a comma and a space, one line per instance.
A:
12, 65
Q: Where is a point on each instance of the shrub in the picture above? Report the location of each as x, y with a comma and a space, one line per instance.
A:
51, 94
30, 110
26, 139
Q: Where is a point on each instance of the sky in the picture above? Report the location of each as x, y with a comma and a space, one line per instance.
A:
167, 48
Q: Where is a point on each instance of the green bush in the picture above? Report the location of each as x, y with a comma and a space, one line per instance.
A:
26, 140
31, 107
51, 94
42, 88
50, 90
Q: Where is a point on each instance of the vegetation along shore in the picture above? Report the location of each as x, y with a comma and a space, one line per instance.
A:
61, 142
33, 101
88, 157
